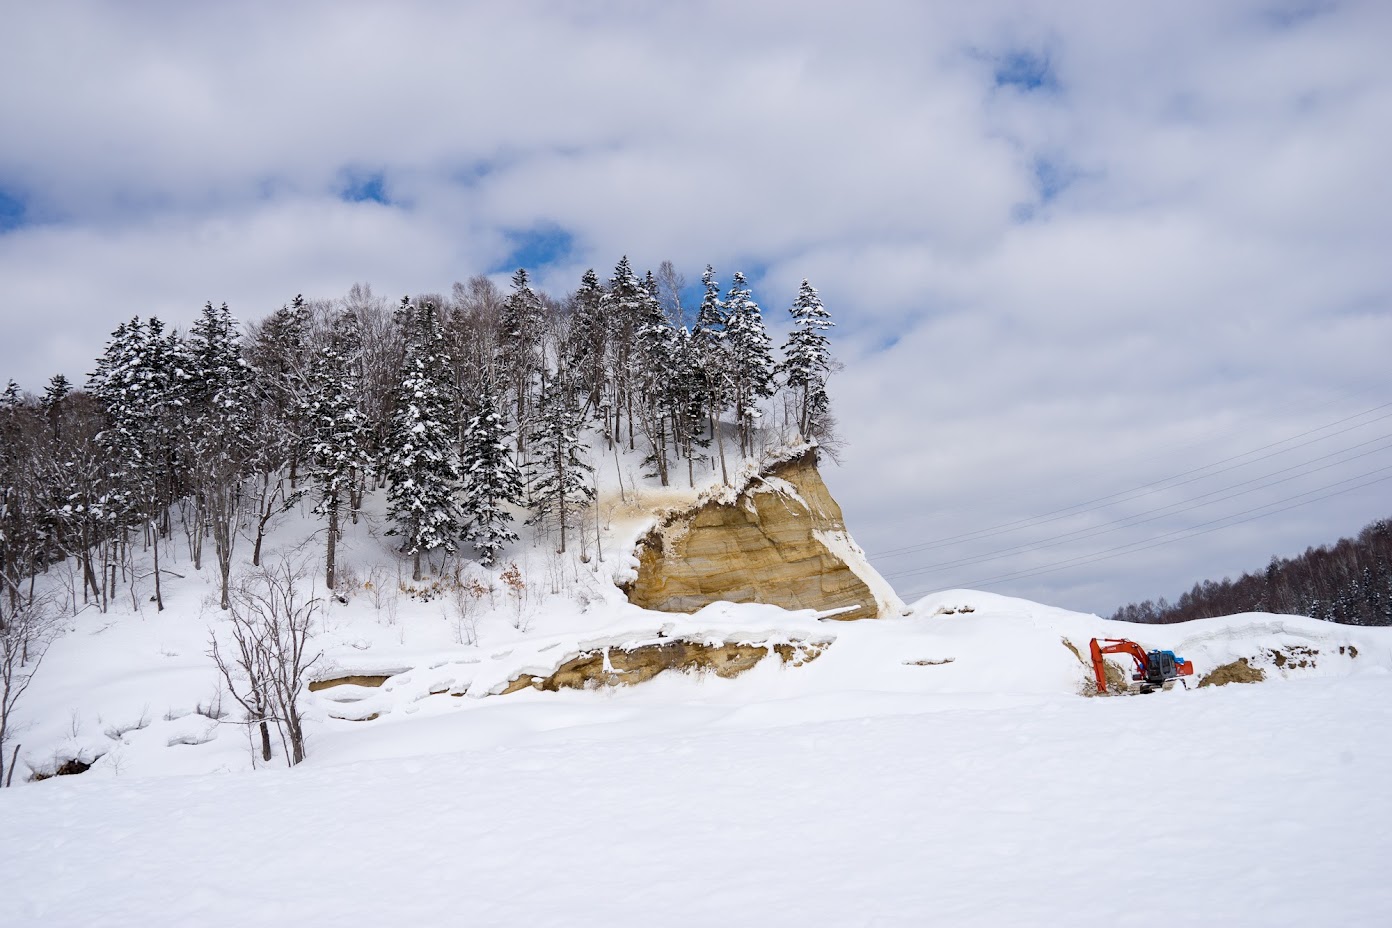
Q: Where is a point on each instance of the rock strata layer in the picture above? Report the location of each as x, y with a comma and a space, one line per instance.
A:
781, 540
626, 666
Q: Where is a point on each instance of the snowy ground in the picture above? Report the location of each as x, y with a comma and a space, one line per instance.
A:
1259, 805
856, 790
938, 767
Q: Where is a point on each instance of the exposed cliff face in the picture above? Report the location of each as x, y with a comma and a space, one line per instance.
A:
781, 540
626, 666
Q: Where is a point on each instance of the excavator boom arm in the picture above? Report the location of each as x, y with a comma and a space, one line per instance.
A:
1101, 646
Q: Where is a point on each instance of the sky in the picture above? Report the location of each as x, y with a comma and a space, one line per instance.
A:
1111, 281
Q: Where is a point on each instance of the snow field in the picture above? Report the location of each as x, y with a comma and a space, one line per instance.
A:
1241, 806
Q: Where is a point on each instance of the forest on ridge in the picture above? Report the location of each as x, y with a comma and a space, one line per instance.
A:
468, 409
1349, 582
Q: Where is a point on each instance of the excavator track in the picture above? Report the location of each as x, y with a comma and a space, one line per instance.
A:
1138, 689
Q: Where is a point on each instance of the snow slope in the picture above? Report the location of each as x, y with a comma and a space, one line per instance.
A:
131, 695
1236, 806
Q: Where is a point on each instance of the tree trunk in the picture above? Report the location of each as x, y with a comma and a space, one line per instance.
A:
357, 487
330, 567
159, 596
720, 443
89, 576
560, 484
618, 474
297, 753
197, 537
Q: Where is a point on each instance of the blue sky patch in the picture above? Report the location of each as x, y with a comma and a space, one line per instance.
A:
365, 187
1289, 15
471, 174
1052, 177
536, 248
11, 211
1026, 70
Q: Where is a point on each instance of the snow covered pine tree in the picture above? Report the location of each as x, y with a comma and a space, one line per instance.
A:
751, 359
421, 461
492, 480
807, 362
561, 487
336, 437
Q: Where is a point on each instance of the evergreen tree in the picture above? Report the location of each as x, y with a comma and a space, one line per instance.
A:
219, 409
623, 310
139, 382
711, 316
587, 346
57, 390
711, 361
335, 452
421, 460
279, 355
559, 468
492, 479
807, 362
750, 359
219, 382
655, 366
519, 343
686, 396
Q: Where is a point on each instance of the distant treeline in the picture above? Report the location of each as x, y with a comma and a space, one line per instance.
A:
1349, 582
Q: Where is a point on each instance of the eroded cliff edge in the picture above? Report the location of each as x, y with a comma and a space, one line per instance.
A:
780, 540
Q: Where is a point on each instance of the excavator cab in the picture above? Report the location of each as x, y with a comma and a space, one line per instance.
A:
1159, 667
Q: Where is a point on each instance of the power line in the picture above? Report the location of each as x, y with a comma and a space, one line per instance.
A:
1126, 495
1172, 509
1193, 532
1200, 441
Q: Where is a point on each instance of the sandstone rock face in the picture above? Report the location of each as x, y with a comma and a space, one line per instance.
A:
780, 541
626, 666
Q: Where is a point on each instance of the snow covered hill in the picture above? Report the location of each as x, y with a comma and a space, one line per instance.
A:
856, 790
138, 695
935, 766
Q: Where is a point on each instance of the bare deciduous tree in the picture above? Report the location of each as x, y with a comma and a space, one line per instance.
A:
671, 283
272, 622
24, 639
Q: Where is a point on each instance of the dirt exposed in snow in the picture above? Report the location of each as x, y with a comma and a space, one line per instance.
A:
1074, 648
1278, 662
67, 768
373, 680
628, 666
1117, 678
1238, 671
1295, 656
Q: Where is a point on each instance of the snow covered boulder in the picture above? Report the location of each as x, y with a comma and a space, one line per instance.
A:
780, 540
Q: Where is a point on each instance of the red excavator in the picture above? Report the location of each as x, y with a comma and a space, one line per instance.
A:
1155, 670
